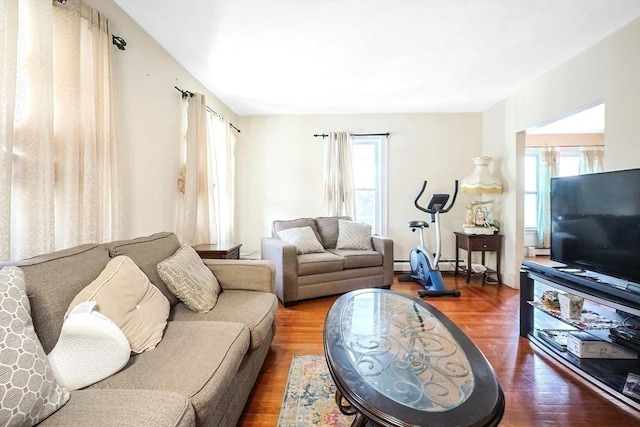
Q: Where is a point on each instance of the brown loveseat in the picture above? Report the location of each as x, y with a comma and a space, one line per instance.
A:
333, 271
203, 369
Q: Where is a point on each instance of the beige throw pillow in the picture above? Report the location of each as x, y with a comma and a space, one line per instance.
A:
353, 235
125, 295
29, 392
190, 280
303, 238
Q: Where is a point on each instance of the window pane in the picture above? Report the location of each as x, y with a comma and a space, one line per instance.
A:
531, 173
364, 165
366, 207
568, 165
530, 211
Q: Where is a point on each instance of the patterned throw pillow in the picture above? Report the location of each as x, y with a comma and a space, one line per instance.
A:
190, 280
303, 238
125, 295
29, 392
353, 235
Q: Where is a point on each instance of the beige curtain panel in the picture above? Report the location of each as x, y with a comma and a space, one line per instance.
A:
339, 190
59, 179
193, 197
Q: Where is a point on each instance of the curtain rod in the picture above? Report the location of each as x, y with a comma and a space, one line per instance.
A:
116, 40
187, 94
565, 146
324, 135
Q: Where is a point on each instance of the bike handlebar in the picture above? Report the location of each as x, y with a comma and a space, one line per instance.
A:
440, 210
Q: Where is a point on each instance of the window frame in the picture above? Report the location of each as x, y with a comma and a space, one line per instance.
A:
564, 152
380, 143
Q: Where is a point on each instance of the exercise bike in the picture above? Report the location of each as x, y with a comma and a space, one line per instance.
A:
424, 265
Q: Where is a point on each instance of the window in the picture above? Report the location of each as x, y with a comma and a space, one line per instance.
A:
531, 160
568, 164
369, 175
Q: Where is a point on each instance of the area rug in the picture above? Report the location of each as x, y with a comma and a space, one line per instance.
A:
309, 396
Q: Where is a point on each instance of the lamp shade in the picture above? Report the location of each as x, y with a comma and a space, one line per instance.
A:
481, 180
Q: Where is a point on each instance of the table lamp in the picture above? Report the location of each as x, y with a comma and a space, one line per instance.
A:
478, 217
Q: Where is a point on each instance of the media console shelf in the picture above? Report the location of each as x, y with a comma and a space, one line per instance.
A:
603, 309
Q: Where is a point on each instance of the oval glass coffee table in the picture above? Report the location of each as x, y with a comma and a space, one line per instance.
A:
398, 361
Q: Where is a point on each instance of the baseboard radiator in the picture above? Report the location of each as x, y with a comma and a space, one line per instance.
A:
402, 266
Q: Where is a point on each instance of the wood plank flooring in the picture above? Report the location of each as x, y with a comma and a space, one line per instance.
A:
538, 390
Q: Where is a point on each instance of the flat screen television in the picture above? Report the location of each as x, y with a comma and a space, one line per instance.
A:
595, 223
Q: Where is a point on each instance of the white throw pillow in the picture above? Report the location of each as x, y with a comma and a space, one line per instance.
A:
190, 280
125, 295
353, 235
90, 348
303, 238
29, 390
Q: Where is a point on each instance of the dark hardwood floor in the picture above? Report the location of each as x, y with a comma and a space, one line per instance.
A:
538, 390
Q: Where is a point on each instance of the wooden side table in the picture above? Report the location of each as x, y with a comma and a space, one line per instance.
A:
478, 242
228, 251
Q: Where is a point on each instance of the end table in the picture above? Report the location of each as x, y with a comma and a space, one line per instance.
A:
223, 251
478, 242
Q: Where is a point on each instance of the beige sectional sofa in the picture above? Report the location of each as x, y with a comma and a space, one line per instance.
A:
332, 271
205, 366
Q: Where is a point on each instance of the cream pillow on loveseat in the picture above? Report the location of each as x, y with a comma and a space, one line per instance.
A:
125, 295
353, 235
303, 238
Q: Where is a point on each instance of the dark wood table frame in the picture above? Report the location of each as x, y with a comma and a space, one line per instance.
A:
228, 251
478, 243
356, 396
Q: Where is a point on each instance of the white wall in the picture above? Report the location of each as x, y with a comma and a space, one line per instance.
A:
280, 175
148, 109
609, 72
279, 170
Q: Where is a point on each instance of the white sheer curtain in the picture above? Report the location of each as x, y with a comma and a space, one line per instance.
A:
591, 160
58, 156
549, 169
193, 219
339, 192
222, 142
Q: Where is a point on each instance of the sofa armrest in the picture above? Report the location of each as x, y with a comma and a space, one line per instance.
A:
384, 245
284, 258
248, 275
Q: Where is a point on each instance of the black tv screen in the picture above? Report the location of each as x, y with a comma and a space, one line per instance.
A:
595, 223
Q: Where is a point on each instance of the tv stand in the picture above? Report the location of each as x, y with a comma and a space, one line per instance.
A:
604, 307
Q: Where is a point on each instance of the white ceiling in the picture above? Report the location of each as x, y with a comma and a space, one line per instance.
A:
376, 56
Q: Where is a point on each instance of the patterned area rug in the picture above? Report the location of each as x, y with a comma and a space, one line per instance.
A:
309, 397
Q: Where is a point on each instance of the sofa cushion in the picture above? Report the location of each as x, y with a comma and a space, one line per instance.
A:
90, 348
53, 280
257, 310
147, 252
353, 235
124, 408
303, 238
198, 360
124, 294
294, 223
328, 229
358, 258
324, 262
190, 280
29, 392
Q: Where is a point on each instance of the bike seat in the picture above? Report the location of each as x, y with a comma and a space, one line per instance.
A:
418, 224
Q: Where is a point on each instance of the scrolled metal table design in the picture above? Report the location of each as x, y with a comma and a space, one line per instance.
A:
398, 361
